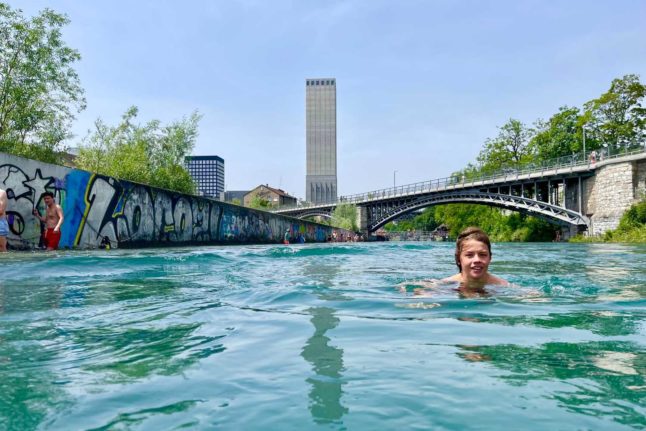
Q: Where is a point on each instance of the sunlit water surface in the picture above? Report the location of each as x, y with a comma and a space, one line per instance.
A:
321, 337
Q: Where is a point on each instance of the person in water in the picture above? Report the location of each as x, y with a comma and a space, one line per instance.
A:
473, 256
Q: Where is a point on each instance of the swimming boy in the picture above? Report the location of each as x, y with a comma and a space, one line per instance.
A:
53, 220
473, 256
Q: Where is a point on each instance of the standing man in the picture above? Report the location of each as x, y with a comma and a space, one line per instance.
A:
53, 220
4, 226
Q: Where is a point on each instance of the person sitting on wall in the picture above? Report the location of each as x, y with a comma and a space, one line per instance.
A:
53, 220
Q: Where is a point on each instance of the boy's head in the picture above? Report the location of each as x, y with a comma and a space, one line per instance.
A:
474, 233
48, 197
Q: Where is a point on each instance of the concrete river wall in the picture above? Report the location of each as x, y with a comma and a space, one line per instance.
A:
132, 215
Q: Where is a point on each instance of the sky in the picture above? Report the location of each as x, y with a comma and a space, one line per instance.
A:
421, 85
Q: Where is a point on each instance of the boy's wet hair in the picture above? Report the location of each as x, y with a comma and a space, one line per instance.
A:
50, 194
471, 232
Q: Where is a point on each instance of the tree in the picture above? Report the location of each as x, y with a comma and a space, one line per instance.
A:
559, 136
259, 202
39, 88
148, 154
617, 116
422, 222
345, 217
508, 149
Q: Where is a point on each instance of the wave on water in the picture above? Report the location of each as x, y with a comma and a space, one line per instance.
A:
421, 246
291, 251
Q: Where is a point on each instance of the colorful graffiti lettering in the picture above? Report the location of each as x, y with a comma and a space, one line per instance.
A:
98, 208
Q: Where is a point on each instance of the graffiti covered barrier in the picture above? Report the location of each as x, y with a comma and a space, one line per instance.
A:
101, 210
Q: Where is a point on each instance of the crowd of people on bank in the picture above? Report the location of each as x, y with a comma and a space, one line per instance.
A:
348, 237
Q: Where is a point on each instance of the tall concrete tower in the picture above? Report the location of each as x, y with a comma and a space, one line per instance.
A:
320, 125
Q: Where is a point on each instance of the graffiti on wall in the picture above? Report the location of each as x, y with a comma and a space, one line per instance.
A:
98, 208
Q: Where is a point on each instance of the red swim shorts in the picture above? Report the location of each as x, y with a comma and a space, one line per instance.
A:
52, 239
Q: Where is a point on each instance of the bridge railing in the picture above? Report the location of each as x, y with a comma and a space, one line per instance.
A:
589, 160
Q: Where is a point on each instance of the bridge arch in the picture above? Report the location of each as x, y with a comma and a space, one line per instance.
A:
551, 213
315, 213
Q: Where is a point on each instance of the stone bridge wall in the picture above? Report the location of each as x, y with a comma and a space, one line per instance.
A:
611, 191
132, 215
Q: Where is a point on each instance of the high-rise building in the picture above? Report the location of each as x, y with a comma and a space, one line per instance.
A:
208, 173
320, 125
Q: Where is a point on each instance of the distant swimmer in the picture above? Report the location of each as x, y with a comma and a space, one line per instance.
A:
473, 256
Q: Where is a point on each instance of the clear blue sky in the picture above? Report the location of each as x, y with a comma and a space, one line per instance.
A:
420, 84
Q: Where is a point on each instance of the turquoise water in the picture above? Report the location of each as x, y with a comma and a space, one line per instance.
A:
321, 337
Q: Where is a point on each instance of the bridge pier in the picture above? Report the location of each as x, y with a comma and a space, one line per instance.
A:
613, 189
362, 219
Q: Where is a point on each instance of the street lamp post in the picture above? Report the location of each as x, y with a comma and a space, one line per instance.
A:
583, 128
394, 179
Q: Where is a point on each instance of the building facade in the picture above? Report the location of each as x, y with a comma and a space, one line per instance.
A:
274, 197
208, 173
320, 126
235, 196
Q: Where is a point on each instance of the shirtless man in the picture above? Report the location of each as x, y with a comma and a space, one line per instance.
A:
4, 226
53, 220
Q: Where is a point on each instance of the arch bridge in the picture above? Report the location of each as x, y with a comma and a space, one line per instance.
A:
555, 192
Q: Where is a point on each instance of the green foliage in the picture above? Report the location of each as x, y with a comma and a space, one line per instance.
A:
259, 202
637, 234
39, 88
345, 217
469, 173
633, 218
148, 154
423, 222
617, 117
632, 227
510, 149
236, 201
559, 136
500, 227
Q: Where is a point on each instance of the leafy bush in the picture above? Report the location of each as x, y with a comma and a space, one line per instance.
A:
148, 154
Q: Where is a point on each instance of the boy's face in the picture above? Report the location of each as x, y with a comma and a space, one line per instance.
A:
474, 259
48, 200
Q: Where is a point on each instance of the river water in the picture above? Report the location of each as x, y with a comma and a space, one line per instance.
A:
321, 336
